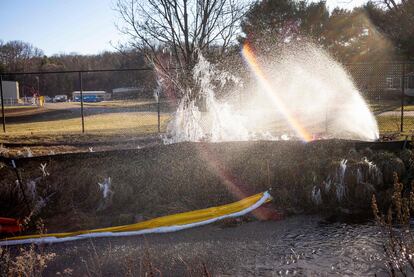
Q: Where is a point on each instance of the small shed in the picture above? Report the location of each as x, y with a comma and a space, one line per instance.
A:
10, 92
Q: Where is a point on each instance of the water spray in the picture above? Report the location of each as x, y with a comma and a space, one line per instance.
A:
300, 93
20, 183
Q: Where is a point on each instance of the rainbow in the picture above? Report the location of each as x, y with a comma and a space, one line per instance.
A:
254, 66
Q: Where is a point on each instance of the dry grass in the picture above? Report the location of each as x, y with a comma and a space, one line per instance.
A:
144, 260
96, 261
25, 262
399, 241
392, 124
128, 123
13, 111
167, 179
109, 123
19, 107
406, 108
71, 139
103, 121
134, 103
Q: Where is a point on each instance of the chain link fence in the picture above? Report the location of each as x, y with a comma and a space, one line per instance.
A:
389, 90
105, 103
121, 103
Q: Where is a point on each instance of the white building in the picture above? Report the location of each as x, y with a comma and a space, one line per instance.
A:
10, 93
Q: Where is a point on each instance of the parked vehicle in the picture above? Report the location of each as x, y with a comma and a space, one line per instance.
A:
88, 98
60, 98
91, 96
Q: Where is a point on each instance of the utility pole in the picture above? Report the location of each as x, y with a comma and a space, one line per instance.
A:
3, 116
38, 85
81, 97
402, 96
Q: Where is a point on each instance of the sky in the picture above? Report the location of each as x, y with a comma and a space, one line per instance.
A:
60, 26
345, 4
67, 26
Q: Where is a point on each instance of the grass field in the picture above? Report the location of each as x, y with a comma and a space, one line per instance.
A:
21, 110
61, 122
392, 124
112, 125
120, 103
19, 107
109, 123
408, 108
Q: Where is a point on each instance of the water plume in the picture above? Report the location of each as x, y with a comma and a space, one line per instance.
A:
299, 93
220, 121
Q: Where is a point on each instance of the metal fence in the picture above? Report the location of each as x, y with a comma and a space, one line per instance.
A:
105, 102
388, 87
121, 101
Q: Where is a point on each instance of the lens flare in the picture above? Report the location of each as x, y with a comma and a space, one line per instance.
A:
254, 66
233, 184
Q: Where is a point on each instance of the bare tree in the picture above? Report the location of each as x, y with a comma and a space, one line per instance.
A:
18, 55
390, 4
172, 32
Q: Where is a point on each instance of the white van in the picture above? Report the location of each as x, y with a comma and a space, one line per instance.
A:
60, 98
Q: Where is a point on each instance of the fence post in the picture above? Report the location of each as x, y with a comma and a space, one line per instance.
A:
326, 118
158, 111
402, 96
3, 116
81, 97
